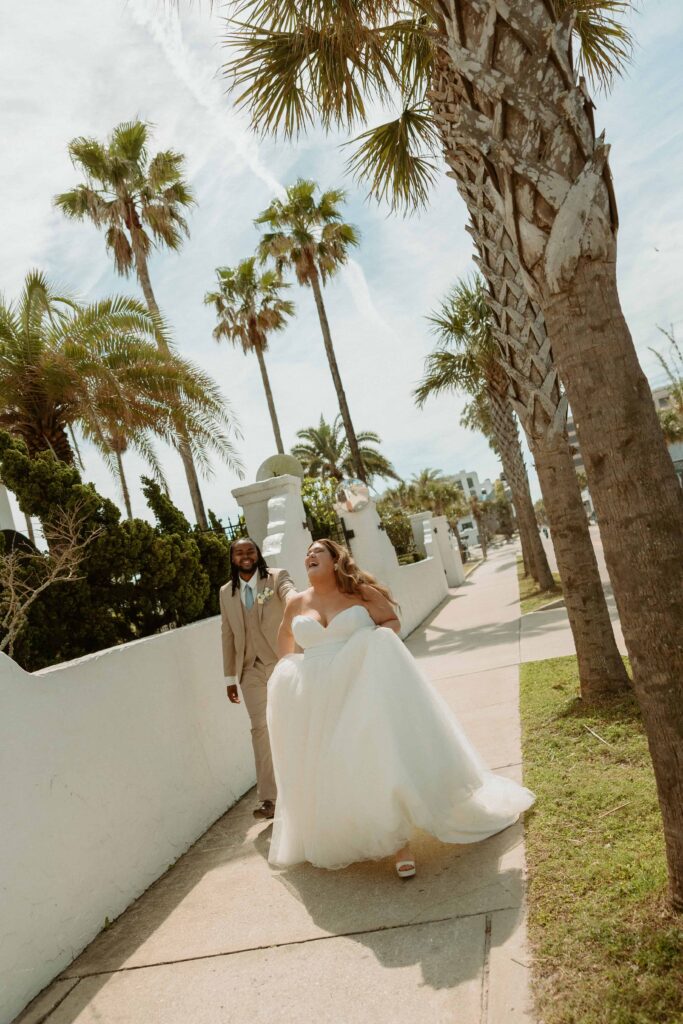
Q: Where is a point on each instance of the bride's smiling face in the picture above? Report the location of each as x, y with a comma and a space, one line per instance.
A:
319, 563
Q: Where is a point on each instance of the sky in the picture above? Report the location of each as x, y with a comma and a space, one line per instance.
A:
78, 68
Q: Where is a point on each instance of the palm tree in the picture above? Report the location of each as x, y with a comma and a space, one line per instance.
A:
496, 87
429, 490
477, 416
564, 235
463, 322
140, 203
99, 367
324, 452
249, 308
310, 236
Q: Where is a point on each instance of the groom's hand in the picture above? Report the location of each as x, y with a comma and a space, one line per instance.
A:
233, 695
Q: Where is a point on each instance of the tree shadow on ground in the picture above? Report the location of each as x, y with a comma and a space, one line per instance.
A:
425, 921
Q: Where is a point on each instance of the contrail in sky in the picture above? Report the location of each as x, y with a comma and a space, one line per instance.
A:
164, 26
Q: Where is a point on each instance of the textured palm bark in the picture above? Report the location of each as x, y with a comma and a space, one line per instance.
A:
269, 398
124, 483
184, 449
52, 437
336, 378
601, 669
526, 357
507, 440
529, 119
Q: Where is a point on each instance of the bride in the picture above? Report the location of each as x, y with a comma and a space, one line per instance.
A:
364, 750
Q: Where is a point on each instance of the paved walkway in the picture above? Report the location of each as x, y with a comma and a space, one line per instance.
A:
222, 939
546, 634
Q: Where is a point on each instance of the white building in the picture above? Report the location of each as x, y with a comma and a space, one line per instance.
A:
472, 487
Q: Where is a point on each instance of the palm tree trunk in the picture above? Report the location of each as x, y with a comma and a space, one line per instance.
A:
524, 543
601, 669
184, 448
29, 528
124, 483
334, 370
507, 440
526, 358
53, 437
269, 399
522, 111
74, 445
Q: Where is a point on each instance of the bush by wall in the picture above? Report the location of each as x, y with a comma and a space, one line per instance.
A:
135, 578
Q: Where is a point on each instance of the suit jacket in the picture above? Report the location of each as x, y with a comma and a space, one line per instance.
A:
270, 615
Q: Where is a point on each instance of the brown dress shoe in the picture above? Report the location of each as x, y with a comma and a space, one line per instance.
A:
266, 809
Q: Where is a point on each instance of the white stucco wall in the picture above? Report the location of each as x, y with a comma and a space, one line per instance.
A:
6, 517
111, 767
419, 589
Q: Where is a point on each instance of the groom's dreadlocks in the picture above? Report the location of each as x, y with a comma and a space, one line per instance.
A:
260, 564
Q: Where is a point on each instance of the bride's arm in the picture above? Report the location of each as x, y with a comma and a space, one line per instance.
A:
382, 611
286, 644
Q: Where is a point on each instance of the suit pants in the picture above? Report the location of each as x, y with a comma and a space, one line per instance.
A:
254, 686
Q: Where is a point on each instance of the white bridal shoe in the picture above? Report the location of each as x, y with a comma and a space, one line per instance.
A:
405, 868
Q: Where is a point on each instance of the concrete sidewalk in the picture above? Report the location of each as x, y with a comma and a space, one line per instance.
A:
223, 939
546, 634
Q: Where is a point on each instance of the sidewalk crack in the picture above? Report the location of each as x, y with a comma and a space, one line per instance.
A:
486, 967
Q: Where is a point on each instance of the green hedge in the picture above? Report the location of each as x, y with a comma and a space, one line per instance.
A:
136, 578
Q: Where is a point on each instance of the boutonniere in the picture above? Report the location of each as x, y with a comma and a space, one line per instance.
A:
264, 595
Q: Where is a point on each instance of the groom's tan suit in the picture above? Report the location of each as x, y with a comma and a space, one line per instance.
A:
249, 656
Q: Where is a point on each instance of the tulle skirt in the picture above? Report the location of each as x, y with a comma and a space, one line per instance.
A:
365, 752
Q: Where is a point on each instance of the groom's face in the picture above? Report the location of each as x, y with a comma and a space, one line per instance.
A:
245, 557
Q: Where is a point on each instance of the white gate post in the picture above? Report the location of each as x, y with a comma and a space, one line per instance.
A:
370, 545
276, 520
450, 553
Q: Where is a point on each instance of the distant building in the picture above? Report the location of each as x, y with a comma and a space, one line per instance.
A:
472, 487
662, 398
469, 483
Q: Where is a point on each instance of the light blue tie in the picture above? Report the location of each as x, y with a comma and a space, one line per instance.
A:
248, 598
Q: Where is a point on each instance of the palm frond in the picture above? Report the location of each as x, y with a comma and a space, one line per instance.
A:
605, 42
397, 159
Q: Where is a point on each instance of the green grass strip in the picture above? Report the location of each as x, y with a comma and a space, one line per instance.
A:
531, 597
606, 948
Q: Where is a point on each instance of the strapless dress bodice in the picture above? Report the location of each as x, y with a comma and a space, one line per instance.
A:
310, 633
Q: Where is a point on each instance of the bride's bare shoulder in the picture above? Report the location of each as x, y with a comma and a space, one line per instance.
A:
301, 601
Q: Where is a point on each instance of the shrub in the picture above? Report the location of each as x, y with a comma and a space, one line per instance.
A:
317, 496
134, 578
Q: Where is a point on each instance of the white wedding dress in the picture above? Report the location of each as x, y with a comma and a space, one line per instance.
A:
365, 751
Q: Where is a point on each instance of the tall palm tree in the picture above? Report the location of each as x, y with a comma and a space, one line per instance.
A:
249, 308
309, 236
463, 322
324, 451
99, 367
550, 172
496, 87
477, 416
140, 202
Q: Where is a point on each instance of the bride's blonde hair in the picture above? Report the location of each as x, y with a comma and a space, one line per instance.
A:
351, 578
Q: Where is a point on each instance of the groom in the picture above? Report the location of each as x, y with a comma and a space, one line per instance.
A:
252, 606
